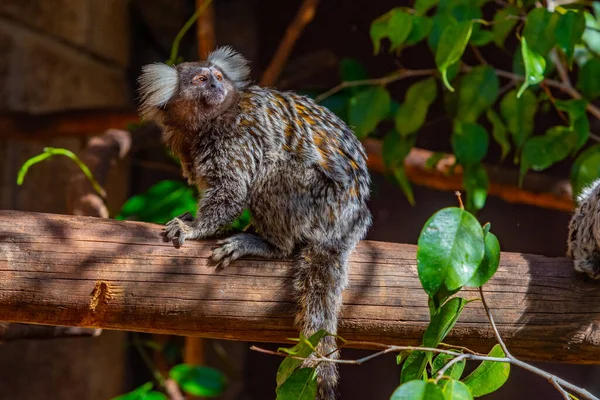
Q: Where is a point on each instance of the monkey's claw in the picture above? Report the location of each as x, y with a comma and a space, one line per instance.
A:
227, 250
178, 229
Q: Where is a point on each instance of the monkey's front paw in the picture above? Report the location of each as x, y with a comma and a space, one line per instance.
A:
589, 267
227, 250
179, 229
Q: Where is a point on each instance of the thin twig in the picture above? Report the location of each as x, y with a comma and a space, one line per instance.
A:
396, 76
548, 376
408, 73
389, 349
562, 391
305, 15
450, 363
494, 328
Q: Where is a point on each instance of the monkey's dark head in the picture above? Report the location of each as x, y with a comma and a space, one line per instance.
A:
193, 89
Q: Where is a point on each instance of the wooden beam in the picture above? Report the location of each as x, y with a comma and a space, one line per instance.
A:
91, 272
538, 190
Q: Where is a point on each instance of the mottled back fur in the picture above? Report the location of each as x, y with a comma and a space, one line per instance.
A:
296, 165
584, 232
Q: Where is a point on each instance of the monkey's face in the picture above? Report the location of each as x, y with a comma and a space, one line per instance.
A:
206, 84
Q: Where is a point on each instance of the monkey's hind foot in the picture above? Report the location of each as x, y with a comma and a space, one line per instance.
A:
590, 267
179, 229
240, 245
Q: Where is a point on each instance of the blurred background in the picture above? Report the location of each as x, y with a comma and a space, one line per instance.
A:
68, 72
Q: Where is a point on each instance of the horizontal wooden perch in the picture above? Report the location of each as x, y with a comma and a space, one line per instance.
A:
98, 273
538, 189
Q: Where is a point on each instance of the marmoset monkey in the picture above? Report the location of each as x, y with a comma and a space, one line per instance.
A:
584, 232
298, 167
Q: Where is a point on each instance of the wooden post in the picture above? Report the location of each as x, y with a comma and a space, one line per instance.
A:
99, 273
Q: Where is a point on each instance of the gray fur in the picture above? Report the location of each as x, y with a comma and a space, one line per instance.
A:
233, 64
299, 169
584, 232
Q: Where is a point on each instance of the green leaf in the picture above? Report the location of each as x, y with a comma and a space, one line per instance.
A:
411, 114
591, 36
450, 248
455, 390
541, 152
199, 380
395, 149
367, 109
481, 37
144, 392
535, 65
469, 142
504, 24
578, 120
422, 6
499, 132
589, 79
161, 203
455, 371
476, 182
399, 25
489, 264
421, 26
519, 114
436, 301
414, 366
440, 22
477, 92
443, 321
301, 385
539, 30
489, 376
418, 390
302, 350
352, 70
378, 32
451, 47
404, 183
568, 32
585, 170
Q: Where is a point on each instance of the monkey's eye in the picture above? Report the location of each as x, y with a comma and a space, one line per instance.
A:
219, 77
199, 78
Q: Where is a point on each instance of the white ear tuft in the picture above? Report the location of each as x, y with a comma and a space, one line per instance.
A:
158, 83
233, 65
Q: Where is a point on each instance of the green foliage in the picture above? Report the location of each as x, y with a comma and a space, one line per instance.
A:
589, 79
300, 385
193, 379
455, 390
161, 203
411, 114
144, 392
454, 29
489, 376
535, 65
586, 169
367, 109
303, 349
50, 152
450, 248
519, 114
418, 390
451, 47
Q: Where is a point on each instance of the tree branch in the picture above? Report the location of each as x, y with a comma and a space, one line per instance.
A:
305, 15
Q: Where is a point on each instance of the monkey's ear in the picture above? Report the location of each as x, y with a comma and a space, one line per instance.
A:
233, 65
157, 84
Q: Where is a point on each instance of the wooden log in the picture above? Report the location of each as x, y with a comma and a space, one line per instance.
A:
539, 190
91, 272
